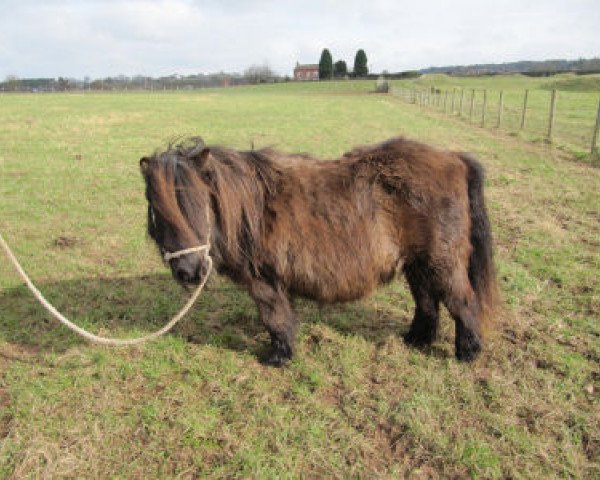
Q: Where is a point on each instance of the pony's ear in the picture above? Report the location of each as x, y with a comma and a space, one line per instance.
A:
202, 159
144, 164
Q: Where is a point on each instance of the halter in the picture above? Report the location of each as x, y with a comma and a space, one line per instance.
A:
180, 253
200, 248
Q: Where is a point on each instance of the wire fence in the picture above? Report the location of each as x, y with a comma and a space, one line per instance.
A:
570, 120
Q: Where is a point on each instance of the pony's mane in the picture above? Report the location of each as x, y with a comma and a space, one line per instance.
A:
237, 184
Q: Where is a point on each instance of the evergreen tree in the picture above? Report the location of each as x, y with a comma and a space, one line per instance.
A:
325, 65
340, 69
360, 64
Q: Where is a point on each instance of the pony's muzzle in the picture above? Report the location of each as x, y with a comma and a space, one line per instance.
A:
184, 274
189, 269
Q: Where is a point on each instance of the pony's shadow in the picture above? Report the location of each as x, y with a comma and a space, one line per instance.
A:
223, 316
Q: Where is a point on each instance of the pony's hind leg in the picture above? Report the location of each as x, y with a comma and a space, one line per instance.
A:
461, 302
424, 328
278, 317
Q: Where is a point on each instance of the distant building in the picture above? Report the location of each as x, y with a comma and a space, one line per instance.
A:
306, 72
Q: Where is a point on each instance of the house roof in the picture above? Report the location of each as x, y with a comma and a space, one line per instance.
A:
306, 66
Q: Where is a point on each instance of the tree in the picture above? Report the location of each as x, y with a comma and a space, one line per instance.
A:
325, 65
360, 64
340, 69
258, 74
63, 84
13, 83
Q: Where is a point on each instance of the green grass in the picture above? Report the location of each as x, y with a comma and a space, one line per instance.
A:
355, 402
576, 105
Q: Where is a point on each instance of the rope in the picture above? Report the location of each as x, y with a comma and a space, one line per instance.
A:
168, 255
105, 340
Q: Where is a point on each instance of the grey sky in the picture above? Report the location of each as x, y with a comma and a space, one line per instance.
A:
49, 38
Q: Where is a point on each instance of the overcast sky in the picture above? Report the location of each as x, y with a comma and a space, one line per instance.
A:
75, 38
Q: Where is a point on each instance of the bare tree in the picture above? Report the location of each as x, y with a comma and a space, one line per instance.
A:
259, 74
12, 83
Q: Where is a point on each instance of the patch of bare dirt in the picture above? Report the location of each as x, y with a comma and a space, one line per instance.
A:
5, 419
65, 242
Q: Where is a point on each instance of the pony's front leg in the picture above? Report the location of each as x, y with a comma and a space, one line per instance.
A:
277, 315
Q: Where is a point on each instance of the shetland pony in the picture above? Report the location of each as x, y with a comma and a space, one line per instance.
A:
286, 225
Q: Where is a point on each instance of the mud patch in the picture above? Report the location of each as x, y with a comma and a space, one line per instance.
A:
65, 242
5, 417
4, 398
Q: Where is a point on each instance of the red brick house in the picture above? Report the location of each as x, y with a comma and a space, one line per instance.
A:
306, 72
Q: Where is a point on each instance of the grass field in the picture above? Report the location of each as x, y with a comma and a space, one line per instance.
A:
355, 402
577, 105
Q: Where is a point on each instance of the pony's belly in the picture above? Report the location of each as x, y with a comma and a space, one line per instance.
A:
342, 264
342, 286
330, 295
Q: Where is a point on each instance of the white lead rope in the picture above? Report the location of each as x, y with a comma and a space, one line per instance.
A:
114, 341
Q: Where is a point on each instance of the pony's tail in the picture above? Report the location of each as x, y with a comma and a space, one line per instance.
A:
482, 273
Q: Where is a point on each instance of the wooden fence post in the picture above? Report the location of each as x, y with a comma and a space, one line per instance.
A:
445, 100
460, 104
500, 106
453, 96
551, 118
524, 110
472, 106
596, 129
483, 108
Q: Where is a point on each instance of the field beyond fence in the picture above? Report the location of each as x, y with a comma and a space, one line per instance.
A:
568, 119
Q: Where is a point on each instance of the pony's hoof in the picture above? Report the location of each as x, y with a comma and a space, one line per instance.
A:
419, 339
468, 348
274, 358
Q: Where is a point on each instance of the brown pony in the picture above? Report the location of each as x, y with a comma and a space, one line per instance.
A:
287, 225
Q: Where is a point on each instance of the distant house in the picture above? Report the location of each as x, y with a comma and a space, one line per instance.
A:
306, 72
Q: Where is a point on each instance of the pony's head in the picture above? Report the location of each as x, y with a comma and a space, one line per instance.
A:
179, 214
